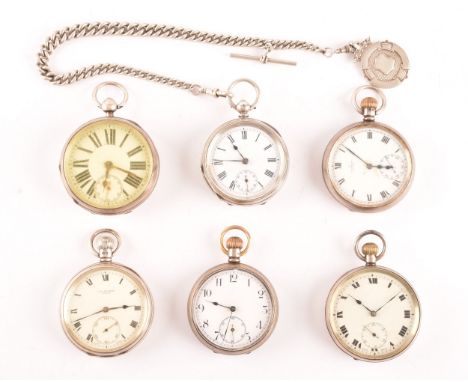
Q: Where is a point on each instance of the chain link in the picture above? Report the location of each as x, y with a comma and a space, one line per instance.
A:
158, 30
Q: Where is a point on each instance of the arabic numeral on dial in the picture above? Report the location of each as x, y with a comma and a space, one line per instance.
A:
261, 293
205, 324
259, 325
207, 292
233, 277
200, 307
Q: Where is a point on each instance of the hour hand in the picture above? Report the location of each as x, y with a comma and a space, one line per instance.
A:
231, 308
359, 302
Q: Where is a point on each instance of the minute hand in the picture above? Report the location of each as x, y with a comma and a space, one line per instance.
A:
387, 302
368, 165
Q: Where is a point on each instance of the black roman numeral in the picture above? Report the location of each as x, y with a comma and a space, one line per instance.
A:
344, 331
133, 324
369, 135
222, 175
74, 311
231, 138
137, 307
373, 280
217, 162
272, 160
384, 194
77, 325
89, 282
356, 343
339, 314
244, 134
133, 180
407, 314
219, 281
232, 185
89, 338
385, 139
396, 183
355, 285
123, 140
402, 297
105, 277
341, 181
267, 147
403, 331
369, 197
269, 173
90, 191
337, 166
133, 291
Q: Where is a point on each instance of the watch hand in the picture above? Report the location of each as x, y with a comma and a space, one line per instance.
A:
231, 308
227, 326
229, 160
104, 310
244, 159
387, 302
359, 302
371, 332
368, 165
110, 327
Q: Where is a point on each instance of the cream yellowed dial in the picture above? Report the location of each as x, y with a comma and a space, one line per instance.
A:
110, 165
106, 309
373, 313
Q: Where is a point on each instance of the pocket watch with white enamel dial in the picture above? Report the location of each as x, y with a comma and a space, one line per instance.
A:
106, 308
109, 165
372, 313
245, 160
233, 308
368, 166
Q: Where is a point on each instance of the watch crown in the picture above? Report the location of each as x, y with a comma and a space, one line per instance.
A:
369, 103
234, 243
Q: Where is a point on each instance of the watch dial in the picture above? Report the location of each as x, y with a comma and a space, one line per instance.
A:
233, 310
369, 166
373, 313
106, 310
246, 162
108, 164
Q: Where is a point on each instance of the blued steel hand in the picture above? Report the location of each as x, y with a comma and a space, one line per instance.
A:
104, 310
231, 308
359, 302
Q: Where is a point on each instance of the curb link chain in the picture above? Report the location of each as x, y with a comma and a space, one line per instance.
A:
159, 30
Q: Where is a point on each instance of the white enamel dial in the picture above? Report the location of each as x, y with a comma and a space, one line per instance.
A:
106, 309
373, 313
369, 166
245, 163
233, 310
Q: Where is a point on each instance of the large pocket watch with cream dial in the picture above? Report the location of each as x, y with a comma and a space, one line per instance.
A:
233, 308
368, 166
245, 160
109, 165
106, 308
372, 313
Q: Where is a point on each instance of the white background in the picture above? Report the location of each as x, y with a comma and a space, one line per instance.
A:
302, 239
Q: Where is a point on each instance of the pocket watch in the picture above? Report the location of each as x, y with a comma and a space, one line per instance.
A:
245, 160
109, 165
233, 308
106, 308
372, 312
368, 166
